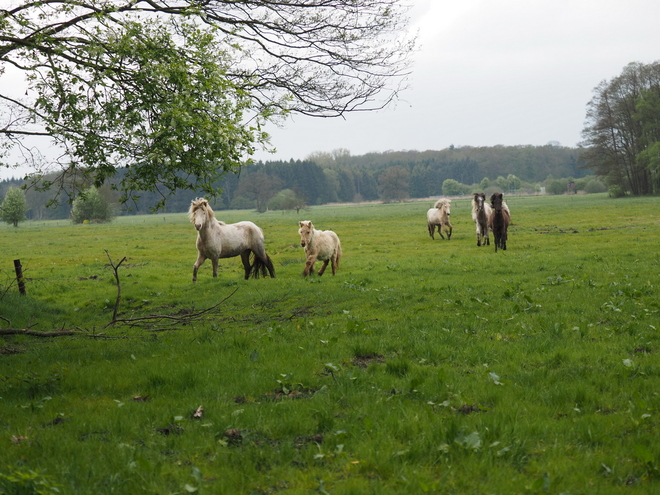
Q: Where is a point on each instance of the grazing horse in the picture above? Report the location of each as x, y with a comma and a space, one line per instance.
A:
499, 220
480, 214
439, 216
216, 240
322, 245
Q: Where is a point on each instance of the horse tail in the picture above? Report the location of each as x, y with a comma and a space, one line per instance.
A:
338, 252
261, 267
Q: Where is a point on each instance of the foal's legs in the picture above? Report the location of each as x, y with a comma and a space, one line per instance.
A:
309, 265
335, 264
325, 265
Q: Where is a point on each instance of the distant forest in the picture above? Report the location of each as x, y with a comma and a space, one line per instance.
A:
339, 177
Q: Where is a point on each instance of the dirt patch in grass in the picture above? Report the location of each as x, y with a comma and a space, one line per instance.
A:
363, 361
469, 409
303, 393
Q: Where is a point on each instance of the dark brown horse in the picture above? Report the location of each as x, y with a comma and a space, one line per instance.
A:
499, 220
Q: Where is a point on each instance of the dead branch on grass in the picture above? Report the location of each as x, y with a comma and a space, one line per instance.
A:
181, 317
35, 333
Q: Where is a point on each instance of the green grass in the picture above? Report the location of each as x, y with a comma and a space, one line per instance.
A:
422, 367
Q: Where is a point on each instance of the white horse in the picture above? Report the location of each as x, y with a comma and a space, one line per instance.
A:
322, 245
439, 216
480, 214
216, 240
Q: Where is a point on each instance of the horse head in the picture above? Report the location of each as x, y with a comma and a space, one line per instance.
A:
306, 230
443, 204
199, 212
496, 201
479, 199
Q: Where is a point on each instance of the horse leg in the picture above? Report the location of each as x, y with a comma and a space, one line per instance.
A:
200, 260
335, 264
431, 228
309, 265
440, 232
214, 262
245, 258
269, 266
323, 267
451, 229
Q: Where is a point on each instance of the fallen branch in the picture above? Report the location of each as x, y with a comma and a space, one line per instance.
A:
174, 318
36, 333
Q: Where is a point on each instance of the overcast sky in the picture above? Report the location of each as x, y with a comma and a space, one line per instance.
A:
489, 72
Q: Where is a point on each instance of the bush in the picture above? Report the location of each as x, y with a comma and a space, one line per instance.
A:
616, 191
595, 186
451, 187
91, 207
556, 187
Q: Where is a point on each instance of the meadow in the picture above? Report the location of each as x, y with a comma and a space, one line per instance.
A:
422, 367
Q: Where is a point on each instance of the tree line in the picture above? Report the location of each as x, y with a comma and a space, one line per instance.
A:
340, 177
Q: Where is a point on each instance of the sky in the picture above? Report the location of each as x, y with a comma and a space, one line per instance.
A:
490, 72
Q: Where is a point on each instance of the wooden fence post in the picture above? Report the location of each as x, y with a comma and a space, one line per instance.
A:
19, 276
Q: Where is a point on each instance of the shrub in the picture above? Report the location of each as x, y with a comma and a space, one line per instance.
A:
91, 207
616, 191
595, 186
556, 187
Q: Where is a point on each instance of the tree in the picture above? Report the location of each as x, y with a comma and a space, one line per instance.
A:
513, 183
451, 187
14, 207
622, 130
259, 187
287, 199
177, 92
393, 184
91, 206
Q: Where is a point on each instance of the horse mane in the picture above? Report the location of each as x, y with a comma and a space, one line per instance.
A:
474, 204
202, 204
442, 203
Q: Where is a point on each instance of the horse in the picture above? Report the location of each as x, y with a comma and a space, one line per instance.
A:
216, 239
322, 245
480, 214
499, 220
439, 215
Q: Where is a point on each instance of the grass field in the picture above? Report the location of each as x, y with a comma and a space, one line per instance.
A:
422, 367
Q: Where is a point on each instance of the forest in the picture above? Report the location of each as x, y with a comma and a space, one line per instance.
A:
339, 177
